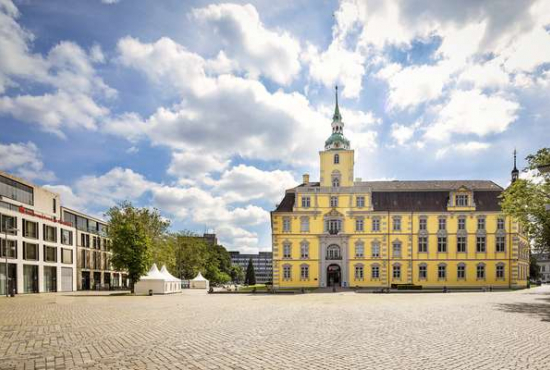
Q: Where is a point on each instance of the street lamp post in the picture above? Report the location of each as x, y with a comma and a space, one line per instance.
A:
6, 273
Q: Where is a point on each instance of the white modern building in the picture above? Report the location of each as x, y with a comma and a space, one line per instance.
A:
37, 246
543, 262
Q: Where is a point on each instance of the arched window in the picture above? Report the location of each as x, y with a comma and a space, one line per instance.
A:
336, 158
333, 252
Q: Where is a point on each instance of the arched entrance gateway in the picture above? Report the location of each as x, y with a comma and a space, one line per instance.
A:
334, 275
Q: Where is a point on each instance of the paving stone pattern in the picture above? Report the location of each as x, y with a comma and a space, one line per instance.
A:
498, 330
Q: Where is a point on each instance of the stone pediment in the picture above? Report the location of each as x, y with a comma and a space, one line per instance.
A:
334, 213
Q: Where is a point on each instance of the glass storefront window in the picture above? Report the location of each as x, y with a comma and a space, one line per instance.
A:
30, 279
50, 279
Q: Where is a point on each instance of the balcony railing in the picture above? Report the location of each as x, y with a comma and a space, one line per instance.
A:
333, 231
333, 257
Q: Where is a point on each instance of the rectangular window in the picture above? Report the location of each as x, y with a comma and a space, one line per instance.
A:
397, 271
306, 202
334, 201
359, 224
481, 271
304, 250
84, 260
397, 224
69, 217
500, 224
375, 224
287, 251
287, 273
304, 272
359, 273
441, 272
8, 223
10, 251
359, 250
461, 272
442, 244
30, 251
17, 191
54, 205
481, 223
480, 244
423, 224
462, 223
442, 224
375, 272
461, 244
30, 229
50, 233
66, 237
501, 243
360, 201
81, 223
50, 254
397, 250
375, 250
461, 200
422, 272
422, 244
286, 224
500, 271
304, 224
66, 256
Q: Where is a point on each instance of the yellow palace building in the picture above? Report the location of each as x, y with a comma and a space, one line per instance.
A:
375, 234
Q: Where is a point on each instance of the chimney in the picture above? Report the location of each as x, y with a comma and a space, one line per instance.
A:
305, 178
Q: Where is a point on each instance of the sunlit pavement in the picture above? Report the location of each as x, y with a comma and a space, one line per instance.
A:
498, 330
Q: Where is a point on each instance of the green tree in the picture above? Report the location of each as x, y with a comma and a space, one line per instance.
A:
250, 274
133, 233
237, 274
526, 201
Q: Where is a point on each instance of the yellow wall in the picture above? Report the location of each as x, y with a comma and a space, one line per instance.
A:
345, 167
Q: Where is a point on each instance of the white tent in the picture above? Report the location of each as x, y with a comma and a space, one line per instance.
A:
174, 283
199, 282
155, 281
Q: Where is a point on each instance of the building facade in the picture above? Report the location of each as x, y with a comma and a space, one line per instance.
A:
543, 262
262, 262
40, 251
351, 233
94, 268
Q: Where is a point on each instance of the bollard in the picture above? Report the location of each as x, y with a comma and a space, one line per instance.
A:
150, 292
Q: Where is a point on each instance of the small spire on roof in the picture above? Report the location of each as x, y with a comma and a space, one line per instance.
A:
336, 116
515, 172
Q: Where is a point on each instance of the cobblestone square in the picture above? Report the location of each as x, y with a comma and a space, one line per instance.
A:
498, 330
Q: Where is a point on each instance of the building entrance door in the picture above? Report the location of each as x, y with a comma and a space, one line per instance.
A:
12, 278
334, 275
66, 279
30, 279
85, 280
50, 279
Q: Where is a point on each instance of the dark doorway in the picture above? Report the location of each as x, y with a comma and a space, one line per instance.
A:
97, 280
12, 278
30, 279
107, 280
334, 275
85, 280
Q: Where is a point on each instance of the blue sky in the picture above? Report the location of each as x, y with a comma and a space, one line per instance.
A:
209, 110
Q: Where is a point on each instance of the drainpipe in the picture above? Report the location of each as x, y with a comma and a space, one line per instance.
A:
412, 248
388, 246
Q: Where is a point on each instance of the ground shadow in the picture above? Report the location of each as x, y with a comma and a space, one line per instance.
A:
541, 310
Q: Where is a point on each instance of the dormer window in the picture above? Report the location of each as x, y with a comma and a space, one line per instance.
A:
336, 158
461, 200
